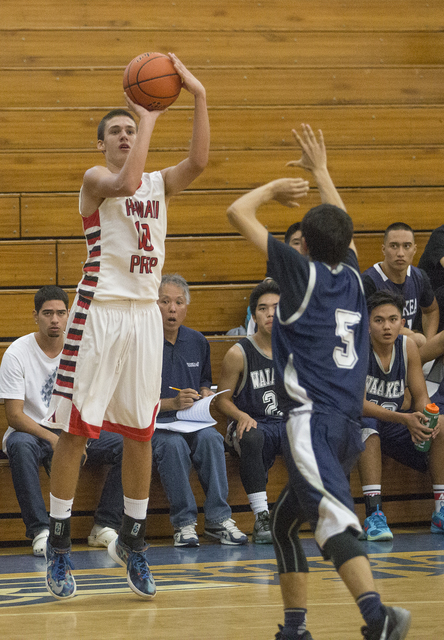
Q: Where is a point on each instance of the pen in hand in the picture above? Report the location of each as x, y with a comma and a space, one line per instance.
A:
176, 389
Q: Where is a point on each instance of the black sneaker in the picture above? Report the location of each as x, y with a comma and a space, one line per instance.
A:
396, 626
261, 531
281, 636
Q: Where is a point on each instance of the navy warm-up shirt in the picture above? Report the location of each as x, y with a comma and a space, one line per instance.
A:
186, 365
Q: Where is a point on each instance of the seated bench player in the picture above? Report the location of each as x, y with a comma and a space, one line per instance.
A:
397, 273
27, 375
394, 368
293, 237
256, 424
186, 366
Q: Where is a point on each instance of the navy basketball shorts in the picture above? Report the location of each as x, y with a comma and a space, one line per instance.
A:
321, 451
396, 442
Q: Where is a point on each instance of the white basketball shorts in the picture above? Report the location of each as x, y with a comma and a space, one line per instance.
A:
110, 371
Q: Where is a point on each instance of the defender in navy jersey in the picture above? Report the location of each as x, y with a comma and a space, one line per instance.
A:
394, 366
320, 348
251, 405
397, 274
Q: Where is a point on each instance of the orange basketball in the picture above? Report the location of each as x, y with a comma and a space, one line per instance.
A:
151, 81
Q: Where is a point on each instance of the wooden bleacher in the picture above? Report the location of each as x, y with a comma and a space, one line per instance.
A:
370, 75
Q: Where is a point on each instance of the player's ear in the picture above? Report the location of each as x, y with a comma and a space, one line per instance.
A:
101, 145
402, 322
35, 315
414, 249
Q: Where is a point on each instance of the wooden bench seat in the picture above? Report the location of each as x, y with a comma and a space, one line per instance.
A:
216, 259
417, 167
28, 264
77, 87
306, 15
216, 48
228, 305
253, 127
46, 215
407, 498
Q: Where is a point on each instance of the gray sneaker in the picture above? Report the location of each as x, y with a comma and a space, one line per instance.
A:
396, 626
186, 536
261, 531
226, 532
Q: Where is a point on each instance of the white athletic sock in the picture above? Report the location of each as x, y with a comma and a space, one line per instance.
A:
372, 489
438, 493
135, 508
59, 509
258, 502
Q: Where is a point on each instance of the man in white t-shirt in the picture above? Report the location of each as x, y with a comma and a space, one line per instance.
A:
27, 375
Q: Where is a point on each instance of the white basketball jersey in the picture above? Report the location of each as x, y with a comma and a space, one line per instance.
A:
126, 245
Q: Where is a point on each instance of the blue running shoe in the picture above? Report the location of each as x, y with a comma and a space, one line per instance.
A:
437, 525
59, 579
396, 626
138, 573
376, 528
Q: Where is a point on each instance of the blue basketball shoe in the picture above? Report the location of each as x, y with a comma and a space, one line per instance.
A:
376, 528
59, 579
138, 573
437, 525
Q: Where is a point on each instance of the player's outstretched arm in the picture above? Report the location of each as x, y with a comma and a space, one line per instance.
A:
314, 159
242, 213
182, 175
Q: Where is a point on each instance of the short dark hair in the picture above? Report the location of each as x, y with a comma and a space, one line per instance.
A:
296, 226
49, 292
398, 226
328, 231
385, 296
112, 114
266, 286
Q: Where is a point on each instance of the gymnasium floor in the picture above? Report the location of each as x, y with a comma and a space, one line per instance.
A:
216, 592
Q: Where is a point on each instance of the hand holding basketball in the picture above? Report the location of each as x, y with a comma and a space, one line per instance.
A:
151, 81
142, 111
189, 82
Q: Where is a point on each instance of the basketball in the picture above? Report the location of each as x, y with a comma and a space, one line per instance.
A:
151, 81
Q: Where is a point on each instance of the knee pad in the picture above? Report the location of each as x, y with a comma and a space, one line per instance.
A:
284, 524
252, 440
342, 547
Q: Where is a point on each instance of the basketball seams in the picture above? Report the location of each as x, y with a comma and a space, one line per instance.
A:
162, 89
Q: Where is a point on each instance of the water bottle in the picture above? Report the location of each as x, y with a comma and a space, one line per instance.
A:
432, 412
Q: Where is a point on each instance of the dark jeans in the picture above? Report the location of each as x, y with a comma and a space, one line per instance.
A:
26, 453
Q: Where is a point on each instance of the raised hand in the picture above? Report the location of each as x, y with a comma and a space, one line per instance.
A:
288, 191
189, 82
314, 155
